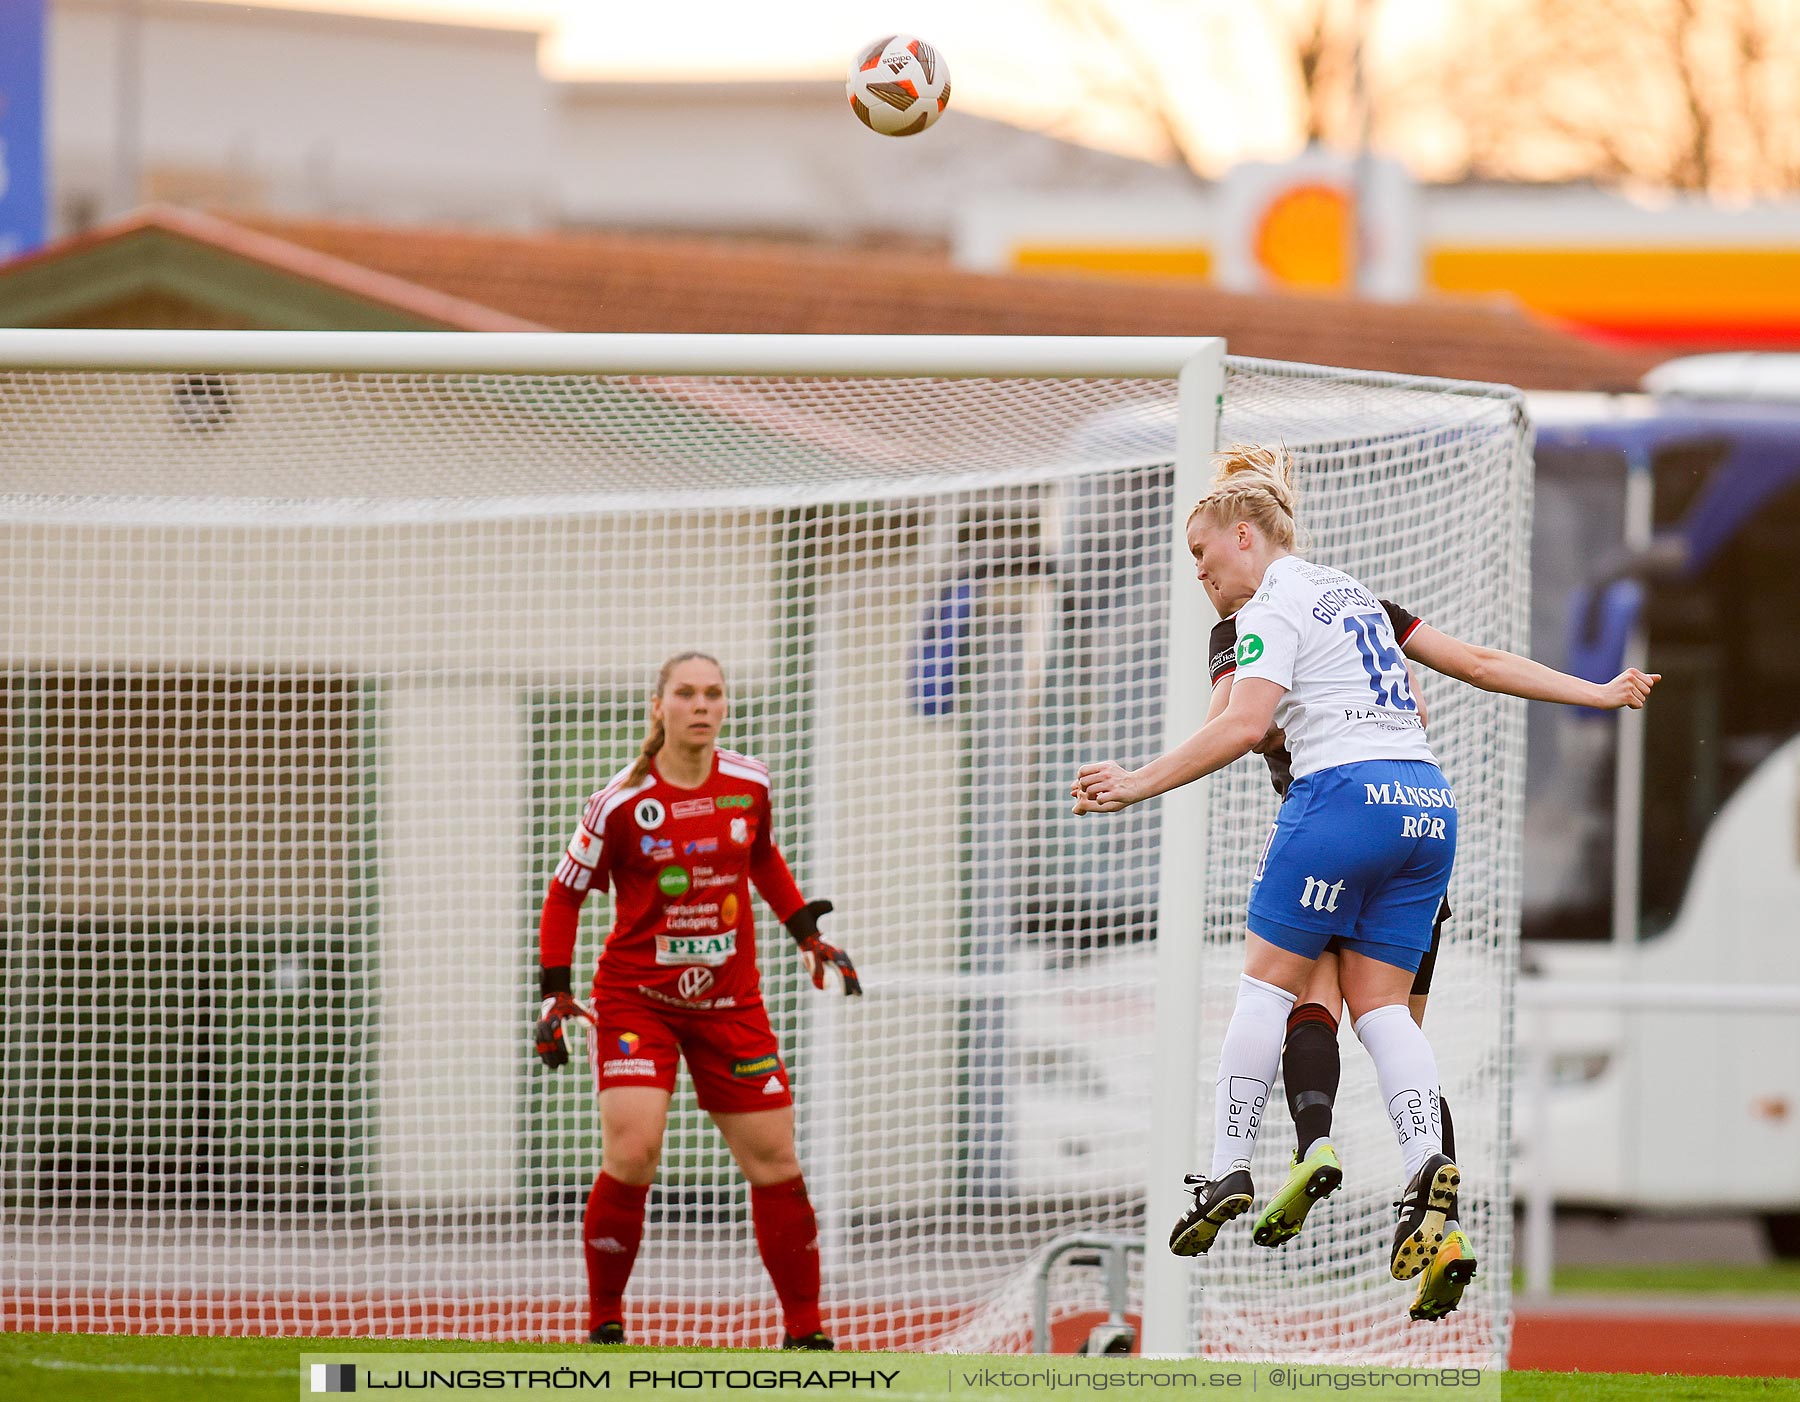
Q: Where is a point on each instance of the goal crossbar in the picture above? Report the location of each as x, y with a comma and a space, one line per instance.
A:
595, 353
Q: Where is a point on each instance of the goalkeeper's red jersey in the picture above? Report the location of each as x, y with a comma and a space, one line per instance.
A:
680, 863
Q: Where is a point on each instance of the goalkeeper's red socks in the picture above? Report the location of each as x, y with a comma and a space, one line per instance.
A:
611, 1230
787, 1234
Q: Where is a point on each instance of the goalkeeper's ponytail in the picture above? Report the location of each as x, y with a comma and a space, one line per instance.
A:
653, 740
1254, 484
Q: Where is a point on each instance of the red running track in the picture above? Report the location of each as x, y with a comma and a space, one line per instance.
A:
1615, 1338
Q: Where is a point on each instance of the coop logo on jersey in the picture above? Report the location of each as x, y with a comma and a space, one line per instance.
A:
736, 800
1249, 648
673, 881
691, 808
750, 1070
740, 831
728, 909
628, 1043
693, 982
649, 814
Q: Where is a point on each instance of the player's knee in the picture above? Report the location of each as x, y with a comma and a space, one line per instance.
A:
631, 1160
770, 1163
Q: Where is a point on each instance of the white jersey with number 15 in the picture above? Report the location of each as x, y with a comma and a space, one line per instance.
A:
1320, 634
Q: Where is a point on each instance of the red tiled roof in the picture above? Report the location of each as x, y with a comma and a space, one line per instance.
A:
620, 282
473, 280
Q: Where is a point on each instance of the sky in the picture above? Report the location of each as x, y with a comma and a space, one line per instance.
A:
1009, 59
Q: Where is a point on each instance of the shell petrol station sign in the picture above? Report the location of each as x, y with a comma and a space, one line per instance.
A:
1682, 271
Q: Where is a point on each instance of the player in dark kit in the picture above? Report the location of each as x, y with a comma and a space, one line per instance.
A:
680, 837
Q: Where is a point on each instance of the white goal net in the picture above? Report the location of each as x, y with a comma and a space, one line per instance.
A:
306, 676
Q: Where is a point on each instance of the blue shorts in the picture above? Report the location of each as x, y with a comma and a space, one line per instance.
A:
1361, 852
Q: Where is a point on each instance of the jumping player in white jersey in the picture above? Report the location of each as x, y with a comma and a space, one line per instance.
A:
1309, 1055
1361, 853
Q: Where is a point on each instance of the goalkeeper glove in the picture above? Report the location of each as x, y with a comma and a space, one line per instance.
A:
803, 925
559, 1004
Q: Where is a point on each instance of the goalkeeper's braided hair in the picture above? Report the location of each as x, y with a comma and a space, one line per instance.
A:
1254, 484
653, 741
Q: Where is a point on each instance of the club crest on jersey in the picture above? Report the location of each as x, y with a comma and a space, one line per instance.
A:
740, 831
649, 814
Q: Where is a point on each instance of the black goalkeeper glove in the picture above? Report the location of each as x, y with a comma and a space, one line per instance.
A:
559, 1004
803, 925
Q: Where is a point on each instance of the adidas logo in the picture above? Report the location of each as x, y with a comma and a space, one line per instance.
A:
607, 1243
772, 1086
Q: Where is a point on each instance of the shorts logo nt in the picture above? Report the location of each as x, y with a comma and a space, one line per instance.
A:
750, 1070
1319, 896
628, 1043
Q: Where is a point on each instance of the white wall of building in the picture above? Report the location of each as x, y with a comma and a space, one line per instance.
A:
305, 113
298, 112
791, 158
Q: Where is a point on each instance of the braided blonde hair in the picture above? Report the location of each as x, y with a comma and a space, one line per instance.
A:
1254, 484
653, 741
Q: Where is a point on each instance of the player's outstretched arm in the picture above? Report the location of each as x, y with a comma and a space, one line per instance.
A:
1106, 787
1491, 669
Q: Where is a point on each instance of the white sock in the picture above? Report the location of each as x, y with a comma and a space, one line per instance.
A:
1248, 1062
1408, 1075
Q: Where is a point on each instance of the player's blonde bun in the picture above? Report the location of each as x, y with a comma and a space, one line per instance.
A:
1255, 484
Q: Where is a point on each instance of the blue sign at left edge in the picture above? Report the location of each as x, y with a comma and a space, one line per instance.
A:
22, 163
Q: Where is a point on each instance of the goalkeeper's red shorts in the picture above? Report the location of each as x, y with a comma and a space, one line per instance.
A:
731, 1053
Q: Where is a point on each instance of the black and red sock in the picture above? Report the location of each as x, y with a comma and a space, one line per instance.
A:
1310, 1069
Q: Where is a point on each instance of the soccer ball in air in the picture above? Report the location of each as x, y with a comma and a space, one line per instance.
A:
898, 85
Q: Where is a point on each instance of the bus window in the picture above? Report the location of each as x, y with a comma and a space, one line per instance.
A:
1579, 518
1727, 642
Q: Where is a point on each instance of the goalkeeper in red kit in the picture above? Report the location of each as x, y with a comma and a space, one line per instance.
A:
680, 837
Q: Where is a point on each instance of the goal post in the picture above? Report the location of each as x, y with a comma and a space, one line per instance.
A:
316, 642
1181, 882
